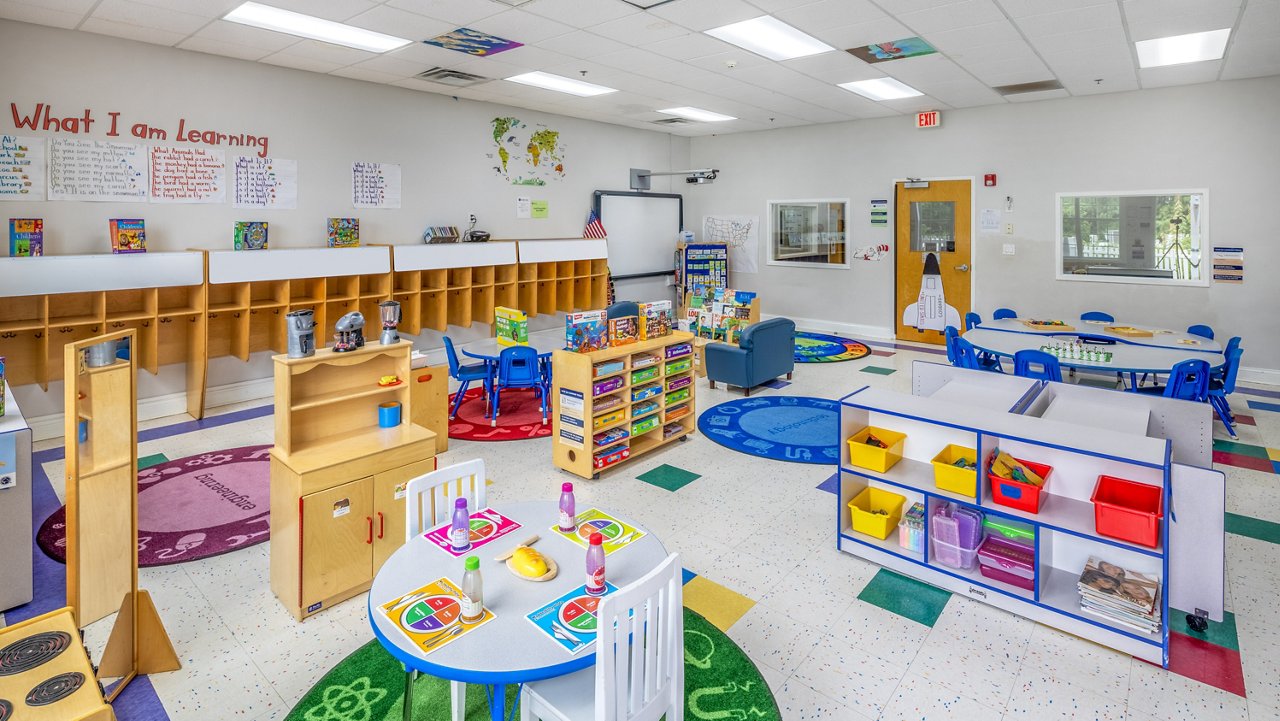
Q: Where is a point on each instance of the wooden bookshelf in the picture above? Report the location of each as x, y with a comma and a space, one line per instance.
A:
574, 375
337, 477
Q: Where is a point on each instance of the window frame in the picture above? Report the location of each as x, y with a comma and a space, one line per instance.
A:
771, 207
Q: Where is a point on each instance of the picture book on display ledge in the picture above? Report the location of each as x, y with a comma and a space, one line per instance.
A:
26, 237
250, 235
344, 232
128, 235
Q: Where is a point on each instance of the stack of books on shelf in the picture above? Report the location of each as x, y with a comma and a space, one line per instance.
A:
1123, 597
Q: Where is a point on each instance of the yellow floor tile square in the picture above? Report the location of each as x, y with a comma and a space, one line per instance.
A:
1274, 453
719, 605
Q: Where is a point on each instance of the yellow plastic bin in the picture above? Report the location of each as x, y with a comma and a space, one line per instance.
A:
874, 458
948, 477
866, 520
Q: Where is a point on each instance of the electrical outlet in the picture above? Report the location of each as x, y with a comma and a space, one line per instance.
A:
1008, 228
1008, 248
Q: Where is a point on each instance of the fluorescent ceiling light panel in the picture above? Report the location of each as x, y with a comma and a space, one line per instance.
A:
770, 37
705, 116
547, 81
882, 89
1180, 49
308, 26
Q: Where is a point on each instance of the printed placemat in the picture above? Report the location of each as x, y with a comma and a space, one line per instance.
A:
487, 526
571, 620
617, 534
431, 616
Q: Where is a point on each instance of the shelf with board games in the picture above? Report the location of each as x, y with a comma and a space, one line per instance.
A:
925, 489
608, 406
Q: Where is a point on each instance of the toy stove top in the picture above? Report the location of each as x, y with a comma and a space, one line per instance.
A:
55, 689
27, 653
6, 710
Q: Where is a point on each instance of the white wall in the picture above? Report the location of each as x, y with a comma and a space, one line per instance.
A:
323, 122
1219, 136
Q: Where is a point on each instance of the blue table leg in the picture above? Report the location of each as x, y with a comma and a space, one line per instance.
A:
498, 702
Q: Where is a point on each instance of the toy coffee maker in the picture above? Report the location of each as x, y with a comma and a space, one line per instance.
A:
301, 326
389, 310
349, 333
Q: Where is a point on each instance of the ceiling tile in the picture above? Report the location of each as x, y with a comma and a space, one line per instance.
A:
1260, 19
132, 32
1113, 83
218, 47
530, 57
327, 9
487, 67
428, 55
581, 44
878, 30
1147, 21
1094, 17
203, 8
925, 69
373, 76
963, 93
1011, 52
132, 13
578, 13
1083, 42
686, 47
706, 14
1251, 59
401, 23
1023, 8
40, 15
915, 105
329, 53
815, 16
300, 63
393, 65
773, 7
639, 29
81, 7
721, 62
1041, 95
228, 32
833, 67
995, 33
966, 13
522, 27
1180, 74
459, 12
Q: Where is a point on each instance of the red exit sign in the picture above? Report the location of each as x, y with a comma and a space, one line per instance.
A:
929, 119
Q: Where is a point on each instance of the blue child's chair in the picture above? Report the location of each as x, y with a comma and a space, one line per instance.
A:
518, 367
465, 375
765, 351
622, 309
1025, 364
1098, 315
1002, 313
1222, 386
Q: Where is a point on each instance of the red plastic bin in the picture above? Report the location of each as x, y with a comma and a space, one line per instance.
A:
1022, 496
1128, 511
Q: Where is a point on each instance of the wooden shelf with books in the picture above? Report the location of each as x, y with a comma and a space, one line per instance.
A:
603, 416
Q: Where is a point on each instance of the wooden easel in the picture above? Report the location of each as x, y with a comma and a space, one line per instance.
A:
101, 437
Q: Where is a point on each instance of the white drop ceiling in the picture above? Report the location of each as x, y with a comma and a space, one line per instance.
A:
659, 58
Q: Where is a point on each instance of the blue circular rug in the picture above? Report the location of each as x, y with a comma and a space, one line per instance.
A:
799, 429
823, 348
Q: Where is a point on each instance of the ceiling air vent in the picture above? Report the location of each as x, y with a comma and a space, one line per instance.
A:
672, 121
1036, 87
454, 78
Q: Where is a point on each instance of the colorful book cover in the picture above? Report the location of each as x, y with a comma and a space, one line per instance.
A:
571, 619
656, 319
586, 331
26, 237
511, 326
128, 235
624, 330
487, 526
250, 235
344, 232
617, 534
431, 615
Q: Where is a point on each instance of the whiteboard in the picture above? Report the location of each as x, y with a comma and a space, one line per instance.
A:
643, 230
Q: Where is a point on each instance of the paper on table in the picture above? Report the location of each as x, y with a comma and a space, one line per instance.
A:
22, 168
265, 183
375, 185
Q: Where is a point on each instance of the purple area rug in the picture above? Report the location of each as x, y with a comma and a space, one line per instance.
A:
191, 508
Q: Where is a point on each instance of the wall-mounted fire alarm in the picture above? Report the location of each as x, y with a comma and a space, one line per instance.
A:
989, 180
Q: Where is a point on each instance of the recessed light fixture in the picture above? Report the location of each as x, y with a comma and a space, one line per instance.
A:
882, 89
770, 37
1180, 49
308, 26
547, 81
705, 116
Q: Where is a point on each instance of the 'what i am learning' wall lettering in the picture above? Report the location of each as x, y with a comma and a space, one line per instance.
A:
43, 117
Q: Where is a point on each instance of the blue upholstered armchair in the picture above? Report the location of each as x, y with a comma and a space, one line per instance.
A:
765, 351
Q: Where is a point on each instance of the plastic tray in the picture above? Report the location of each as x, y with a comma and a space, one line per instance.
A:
1128, 511
874, 458
948, 477
1022, 496
953, 556
871, 499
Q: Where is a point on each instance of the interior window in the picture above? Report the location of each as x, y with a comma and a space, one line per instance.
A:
1138, 237
808, 232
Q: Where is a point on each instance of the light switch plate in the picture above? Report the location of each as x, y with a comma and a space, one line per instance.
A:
1008, 248
1008, 228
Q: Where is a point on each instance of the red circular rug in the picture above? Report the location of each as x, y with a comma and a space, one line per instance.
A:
191, 508
520, 419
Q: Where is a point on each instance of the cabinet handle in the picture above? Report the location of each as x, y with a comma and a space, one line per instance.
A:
424, 378
382, 524
369, 540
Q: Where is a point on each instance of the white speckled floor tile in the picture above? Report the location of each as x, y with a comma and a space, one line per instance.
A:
883, 634
984, 676
799, 702
983, 627
920, 699
803, 594
1262, 712
1079, 662
840, 670
1038, 695
1260, 655
1169, 697
774, 639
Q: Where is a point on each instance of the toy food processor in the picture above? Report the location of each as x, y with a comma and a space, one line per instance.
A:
301, 326
390, 312
349, 332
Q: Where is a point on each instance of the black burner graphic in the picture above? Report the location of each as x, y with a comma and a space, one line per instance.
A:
55, 689
25, 654
6, 710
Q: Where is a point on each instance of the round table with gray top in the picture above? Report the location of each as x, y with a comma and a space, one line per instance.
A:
508, 649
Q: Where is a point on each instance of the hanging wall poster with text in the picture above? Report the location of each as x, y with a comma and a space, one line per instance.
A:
375, 185
188, 175
97, 170
265, 183
22, 161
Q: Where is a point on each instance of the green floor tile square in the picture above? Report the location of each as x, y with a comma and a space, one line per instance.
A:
906, 597
669, 477
1243, 449
1253, 528
1219, 634
154, 459
878, 370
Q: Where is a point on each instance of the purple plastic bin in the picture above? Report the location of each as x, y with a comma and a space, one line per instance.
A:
1009, 561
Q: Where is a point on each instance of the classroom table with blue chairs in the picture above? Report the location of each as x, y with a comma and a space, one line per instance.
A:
489, 351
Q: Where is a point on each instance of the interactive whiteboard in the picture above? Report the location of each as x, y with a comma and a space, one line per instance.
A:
643, 230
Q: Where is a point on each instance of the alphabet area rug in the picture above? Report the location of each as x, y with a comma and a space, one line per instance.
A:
823, 348
798, 429
191, 508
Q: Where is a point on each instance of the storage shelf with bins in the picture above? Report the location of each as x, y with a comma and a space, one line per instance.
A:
576, 408
988, 413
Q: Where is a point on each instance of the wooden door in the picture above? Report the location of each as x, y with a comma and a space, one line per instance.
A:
337, 540
388, 508
933, 258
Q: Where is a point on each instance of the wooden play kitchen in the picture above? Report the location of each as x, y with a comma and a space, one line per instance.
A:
337, 477
612, 405
46, 675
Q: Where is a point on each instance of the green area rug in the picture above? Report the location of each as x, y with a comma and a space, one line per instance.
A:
720, 683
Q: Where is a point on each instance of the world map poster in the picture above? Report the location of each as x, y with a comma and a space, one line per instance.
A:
525, 154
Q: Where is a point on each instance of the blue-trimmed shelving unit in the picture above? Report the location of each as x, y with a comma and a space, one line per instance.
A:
986, 412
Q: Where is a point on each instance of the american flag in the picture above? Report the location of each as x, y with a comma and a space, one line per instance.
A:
594, 229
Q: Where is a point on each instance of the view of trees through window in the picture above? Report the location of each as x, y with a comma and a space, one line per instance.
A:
1152, 236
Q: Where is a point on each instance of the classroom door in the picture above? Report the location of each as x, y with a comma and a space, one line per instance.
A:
932, 259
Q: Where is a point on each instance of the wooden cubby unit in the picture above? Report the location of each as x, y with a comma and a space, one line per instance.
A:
574, 375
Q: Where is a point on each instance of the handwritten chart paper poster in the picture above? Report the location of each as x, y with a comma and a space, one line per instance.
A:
97, 170
188, 175
265, 183
21, 168
375, 185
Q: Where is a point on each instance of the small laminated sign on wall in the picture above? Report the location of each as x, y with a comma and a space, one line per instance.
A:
1228, 264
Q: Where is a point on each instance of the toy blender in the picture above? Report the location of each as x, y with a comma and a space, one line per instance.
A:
390, 312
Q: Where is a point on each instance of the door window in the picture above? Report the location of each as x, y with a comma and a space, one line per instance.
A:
933, 226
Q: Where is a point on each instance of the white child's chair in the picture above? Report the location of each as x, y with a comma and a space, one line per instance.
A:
639, 672
428, 503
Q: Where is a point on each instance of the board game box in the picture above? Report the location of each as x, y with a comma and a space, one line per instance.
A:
624, 330
511, 326
344, 232
656, 319
586, 332
250, 235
